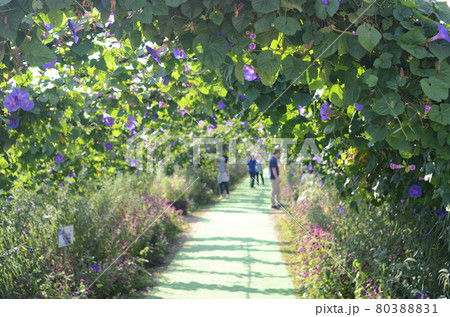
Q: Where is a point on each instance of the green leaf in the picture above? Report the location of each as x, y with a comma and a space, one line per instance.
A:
210, 49
37, 54
384, 61
332, 7
242, 21
376, 133
327, 47
351, 94
293, 67
239, 72
82, 48
174, 3
55, 5
192, 9
368, 36
371, 80
355, 49
288, 26
3, 2
136, 39
302, 99
3, 163
409, 3
267, 79
434, 88
159, 7
266, 6
133, 4
337, 95
268, 62
2, 52
440, 50
440, 114
146, 16
265, 23
14, 18
398, 141
216, 17
389, 104
413, 42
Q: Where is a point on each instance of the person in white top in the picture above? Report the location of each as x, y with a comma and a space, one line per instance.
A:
259, 170
223, 176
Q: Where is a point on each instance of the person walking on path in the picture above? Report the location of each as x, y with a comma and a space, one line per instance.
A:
223, 176
275, 179
259, 171
252, 170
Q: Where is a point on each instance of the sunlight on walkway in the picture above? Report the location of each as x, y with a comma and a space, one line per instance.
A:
233, 252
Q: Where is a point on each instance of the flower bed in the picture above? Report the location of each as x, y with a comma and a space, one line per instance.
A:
380, 252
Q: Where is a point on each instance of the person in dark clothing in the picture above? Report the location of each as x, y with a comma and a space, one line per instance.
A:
223, 176
252, 170
275, 179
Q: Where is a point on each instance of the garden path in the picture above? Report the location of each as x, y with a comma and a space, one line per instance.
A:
232, 253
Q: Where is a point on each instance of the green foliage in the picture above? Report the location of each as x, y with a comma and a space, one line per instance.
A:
375, 253
107, 218
384, 57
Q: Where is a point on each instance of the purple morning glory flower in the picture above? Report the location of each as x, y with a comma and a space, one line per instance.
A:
301, 110
415, 191
242, 96
59, 158
221, 105
310, 168
441, 213
110, 19
107, 120
214, 118
22, 95
325, 111
108, 146
442, 33
156, 117
244, 123
70, 175
13, 123
341, 208
131, 123
252, 36
50, 64
74, 31
250, 74
210, 128
179, 53
28, 105
48, 27
95, 267
18, 99
153, 54
182, 113
133, 163
251, 46
11, 102
200, 123
359, 106
326, 2
165, 80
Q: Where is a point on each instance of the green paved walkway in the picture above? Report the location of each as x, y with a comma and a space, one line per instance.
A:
232, 252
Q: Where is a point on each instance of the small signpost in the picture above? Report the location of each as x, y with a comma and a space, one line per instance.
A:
65, 237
